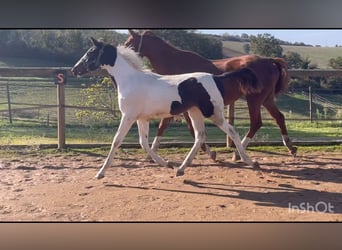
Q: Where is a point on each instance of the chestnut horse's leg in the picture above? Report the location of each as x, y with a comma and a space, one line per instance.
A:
280, 119
161, 128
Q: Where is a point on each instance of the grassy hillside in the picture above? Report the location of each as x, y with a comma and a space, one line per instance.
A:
317, 55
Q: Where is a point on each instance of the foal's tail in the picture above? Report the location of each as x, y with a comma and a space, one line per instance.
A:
283, 81
246, 78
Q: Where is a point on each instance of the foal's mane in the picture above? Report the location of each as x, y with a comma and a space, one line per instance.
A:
131, 57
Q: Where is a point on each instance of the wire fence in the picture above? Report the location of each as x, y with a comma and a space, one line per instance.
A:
33, 100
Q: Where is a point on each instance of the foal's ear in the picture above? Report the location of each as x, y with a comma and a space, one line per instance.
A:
95, 42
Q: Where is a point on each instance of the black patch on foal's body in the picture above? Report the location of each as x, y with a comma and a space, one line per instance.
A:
192, 93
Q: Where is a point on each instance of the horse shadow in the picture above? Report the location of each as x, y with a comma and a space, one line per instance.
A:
321, 173
284, 196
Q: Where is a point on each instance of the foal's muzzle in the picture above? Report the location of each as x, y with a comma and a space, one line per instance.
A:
79, 69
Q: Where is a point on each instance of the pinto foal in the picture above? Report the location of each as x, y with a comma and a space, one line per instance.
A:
144, 95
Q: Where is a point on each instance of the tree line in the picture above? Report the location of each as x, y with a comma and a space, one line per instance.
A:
58, 45
68, 45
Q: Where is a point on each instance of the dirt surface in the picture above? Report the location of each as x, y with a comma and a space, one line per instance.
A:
61, 187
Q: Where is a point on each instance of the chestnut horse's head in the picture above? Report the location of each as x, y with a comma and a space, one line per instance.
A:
136, 41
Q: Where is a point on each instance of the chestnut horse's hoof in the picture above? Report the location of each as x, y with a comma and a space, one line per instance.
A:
256, 165
293, 151
170, 164
213, 155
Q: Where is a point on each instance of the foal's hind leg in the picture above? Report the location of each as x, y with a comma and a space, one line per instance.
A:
230, 131
143, 126
280, 119
204, 146
255, 122
199, 131
125, 124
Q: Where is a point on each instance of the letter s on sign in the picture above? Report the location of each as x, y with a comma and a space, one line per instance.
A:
60, 78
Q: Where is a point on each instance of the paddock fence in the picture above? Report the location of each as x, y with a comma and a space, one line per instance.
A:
36, 96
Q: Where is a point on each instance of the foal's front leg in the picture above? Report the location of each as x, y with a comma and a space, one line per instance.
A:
125, 124
143, 126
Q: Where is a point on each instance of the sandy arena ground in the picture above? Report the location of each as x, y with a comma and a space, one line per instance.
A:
62, 187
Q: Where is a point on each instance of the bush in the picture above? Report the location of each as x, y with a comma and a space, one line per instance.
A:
102, 97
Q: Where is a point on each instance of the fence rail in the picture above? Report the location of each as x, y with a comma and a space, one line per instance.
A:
8, 75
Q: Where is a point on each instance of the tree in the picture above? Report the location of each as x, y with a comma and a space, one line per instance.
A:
100, 95
295, 61
244, 36
265, 45
246, 48
335, 63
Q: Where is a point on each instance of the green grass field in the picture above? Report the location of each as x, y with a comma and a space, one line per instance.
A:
38, 126
23, 133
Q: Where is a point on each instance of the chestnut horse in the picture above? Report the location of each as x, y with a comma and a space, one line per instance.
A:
271, 72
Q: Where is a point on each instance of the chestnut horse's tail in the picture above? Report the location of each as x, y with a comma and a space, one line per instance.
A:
283, 81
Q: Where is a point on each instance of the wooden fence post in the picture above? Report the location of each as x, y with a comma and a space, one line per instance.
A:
60, 80
231, 116
310, 103
9, 103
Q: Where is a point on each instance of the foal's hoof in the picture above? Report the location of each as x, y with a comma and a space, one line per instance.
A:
256, 165
293, 151
99, 176
213, 155
149, 158
180, 172
236, 156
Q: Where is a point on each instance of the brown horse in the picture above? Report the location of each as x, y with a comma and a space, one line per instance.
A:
272, 73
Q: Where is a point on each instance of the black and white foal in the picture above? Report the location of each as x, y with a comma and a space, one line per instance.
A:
144, 95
